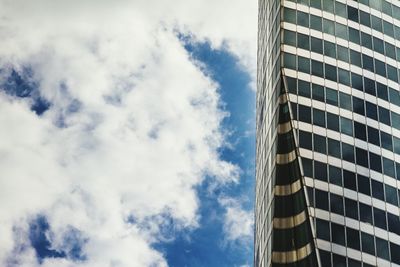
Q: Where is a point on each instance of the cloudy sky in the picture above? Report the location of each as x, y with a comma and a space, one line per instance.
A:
127, 132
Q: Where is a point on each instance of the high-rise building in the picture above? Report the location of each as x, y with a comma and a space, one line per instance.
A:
328, 133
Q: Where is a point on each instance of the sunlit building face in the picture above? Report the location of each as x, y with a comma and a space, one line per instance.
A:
328, 133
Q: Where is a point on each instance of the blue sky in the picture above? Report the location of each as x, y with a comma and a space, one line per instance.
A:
127, 133
206, 246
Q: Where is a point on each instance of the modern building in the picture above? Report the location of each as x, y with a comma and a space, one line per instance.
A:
328, 133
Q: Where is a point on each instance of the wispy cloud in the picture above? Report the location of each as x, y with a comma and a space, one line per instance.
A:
130, 127
238, 222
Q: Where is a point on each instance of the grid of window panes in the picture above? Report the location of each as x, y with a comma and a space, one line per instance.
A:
341, 62
267, 106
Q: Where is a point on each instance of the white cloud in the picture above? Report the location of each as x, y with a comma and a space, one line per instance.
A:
133, 126
238, 222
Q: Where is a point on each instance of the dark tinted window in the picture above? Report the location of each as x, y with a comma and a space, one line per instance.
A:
337, 233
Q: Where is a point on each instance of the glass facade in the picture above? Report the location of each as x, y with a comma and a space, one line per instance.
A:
328, 133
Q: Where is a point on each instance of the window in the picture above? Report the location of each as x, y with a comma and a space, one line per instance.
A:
323, 229
334, 148
354, 36
352, 13
366, 40
375, 162
363, 184
369, 86
348, 152
332, 121
360, 131
353, 238
302, 19
328, 27
307, 167
340, 9
396, 145
331, 97
365, 213
378, 45
303, 64
325, 257
319, 117
388, 28
358, 106
328, 5
394, 96
362, 157
382, 91
344, 76
380, 68
351, 208
382, 248
329, 49
318, 92
346, 126
337, 233
395, 120
339, 261
335, 175
379, 218
315, 21
388, 167
371, 110
386, 141
367, 241
373, 136
289, 38
377, 190
368, 63
376, 23
384, 115
391, 195
394, 223
330, 72
355, 58
321, 200
345, 101
336, 204
316, 45
317, 68
343, 53
290, 15
305, 139
365, 19
319, 144
304, 114
349, 179
341, 31
356, 81
316, 4
395, 252
290, 61
303, 41
304, 88
320, 171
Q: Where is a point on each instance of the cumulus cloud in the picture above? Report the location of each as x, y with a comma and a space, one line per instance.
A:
132, 125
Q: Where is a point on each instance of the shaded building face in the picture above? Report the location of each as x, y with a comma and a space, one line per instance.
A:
328, 133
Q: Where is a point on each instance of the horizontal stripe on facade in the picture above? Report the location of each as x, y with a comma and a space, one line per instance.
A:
284, 128
290, 222
292, 256
285, 190
286, 158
